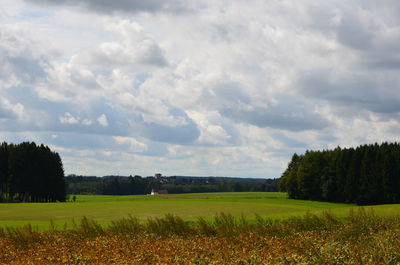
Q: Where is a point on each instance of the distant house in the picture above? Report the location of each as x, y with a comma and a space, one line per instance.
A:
156, 192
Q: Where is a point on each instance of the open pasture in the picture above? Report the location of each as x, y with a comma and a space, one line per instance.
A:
103, 209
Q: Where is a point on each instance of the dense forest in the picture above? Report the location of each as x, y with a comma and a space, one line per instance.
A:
368, 174
121, 185
30, 173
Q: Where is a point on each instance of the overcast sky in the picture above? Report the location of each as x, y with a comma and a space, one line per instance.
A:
203, 87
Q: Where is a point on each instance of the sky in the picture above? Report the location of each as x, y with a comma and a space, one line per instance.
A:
204, 88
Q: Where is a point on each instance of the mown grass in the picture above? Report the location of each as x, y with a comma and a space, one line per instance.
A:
361, 237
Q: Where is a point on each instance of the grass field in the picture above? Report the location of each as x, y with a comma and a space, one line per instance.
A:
103, 209
315, 233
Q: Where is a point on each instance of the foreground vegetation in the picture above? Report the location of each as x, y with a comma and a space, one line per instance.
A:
362, 237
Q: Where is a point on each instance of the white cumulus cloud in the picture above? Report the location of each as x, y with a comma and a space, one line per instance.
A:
102, 120
198, 87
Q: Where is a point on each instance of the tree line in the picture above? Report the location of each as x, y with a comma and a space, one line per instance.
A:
368, 174
108, 185
121, 185
215, 184
30, 173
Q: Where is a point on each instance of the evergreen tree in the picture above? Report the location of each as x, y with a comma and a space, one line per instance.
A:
390, 175
289, 181
369, 174
31, 173
353, 176
3, 171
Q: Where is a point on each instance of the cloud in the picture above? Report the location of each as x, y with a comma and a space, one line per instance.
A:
185, 134
122, 6
132, 49
212, 87
292, 118
133, 144
102, 120
69, 119
10, 111
211, 128
109, 65
87, 122
21, 57
374, 91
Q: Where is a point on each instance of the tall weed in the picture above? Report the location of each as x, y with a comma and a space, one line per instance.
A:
22, 237
126, 226
90, 228
168, 225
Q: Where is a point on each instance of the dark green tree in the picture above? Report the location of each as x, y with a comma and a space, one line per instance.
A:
369, 174
31, 173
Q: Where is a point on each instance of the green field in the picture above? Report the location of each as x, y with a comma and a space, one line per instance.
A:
188, 206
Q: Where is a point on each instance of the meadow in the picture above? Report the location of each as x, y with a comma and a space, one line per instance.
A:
216, 228
104, 209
